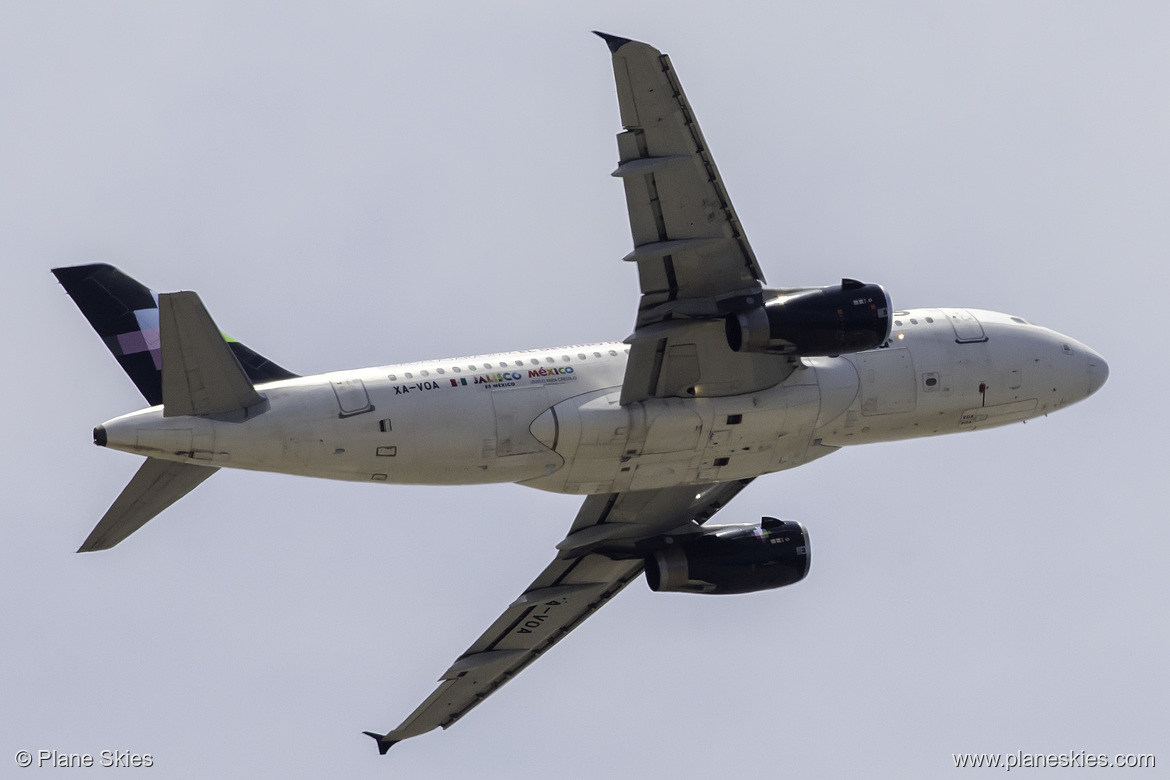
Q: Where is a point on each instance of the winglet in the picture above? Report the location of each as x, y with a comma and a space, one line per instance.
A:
383, 743
614, 42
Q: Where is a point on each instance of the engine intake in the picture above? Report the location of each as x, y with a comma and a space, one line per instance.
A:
818, 321
733, 559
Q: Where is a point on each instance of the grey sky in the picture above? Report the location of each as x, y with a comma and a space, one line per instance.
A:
369, 183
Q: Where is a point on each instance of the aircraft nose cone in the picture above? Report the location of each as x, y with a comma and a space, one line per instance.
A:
1098, 372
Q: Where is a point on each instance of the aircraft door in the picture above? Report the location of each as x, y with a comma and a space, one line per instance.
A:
352, 397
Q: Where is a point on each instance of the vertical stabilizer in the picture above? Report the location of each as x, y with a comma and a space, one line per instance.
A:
124, 313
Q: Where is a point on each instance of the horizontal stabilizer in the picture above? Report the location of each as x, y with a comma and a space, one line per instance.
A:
157, 485
200, 375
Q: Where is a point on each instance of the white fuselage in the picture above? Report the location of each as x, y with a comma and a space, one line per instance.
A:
551, 418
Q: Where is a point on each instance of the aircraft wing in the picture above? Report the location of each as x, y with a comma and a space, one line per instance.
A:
695, 264
592, 568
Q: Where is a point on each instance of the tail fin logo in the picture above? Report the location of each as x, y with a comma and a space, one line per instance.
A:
145, 339
124, 313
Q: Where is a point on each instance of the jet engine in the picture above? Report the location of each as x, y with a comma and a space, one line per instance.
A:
815, 321
733, 559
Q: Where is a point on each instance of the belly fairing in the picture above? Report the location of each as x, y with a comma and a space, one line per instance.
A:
664, 442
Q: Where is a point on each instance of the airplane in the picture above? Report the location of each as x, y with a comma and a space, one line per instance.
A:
722, 380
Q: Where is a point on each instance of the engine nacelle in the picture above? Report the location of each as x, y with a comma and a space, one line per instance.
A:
733, 559
819, 321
